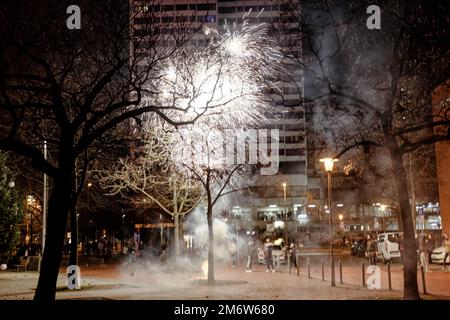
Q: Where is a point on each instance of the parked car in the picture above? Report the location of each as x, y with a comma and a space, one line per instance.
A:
358, 248
437, 256
277, 250
388, 246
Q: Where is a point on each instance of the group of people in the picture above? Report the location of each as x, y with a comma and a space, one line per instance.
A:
426, 245
268, 255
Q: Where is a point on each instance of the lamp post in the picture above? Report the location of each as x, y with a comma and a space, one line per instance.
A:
123, 230
285, 215
328, 163
383, 209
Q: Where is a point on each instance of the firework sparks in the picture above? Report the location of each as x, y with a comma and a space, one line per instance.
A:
225, 82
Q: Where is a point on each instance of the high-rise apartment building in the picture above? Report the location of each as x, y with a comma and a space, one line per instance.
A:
282, 196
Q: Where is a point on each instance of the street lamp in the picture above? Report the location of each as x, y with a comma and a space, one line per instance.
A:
383, 208
285, 214
328, 163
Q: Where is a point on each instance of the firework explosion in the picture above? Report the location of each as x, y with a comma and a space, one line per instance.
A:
225, 83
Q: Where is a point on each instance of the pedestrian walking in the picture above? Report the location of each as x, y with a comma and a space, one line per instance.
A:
293, 254
423, 252
371, 250
446, 245
268, 255
431, 244
251, 248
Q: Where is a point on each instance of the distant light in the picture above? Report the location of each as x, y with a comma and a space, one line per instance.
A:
378, 204
272, 206
327, 211
11, 184
89, 184
341, 217
326, 207
278, 224
311, 205
339, 205
383, 207
284, 184
298, 205
236, 207
328, 162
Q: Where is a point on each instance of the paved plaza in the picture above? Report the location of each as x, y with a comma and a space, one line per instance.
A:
145, 281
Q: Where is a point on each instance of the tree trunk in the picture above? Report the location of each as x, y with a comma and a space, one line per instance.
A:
58, 209
210, 241
176, 221
177, 233
410, 288
73, 258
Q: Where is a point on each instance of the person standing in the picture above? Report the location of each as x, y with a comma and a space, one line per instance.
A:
423, 252
431, 244
250, 252
293, 255
446, 245
268, 255
371, 250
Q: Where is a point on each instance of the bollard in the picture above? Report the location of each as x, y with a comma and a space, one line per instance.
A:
363, 269
297, 260
424, 285
309, 268
323, 269
340, 272
289, 263
389, 276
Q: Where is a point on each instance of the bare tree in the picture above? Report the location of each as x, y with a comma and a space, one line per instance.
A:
150, 172
375, 87
71, 88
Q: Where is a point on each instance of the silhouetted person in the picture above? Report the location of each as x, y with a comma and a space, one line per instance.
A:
268, 255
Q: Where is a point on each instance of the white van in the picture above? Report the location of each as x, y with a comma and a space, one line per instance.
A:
388, 246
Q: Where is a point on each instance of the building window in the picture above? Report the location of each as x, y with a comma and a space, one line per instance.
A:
181, 7
293, 127
295, 152
168, 7
292, 167
227, 9
206, 7
167, 19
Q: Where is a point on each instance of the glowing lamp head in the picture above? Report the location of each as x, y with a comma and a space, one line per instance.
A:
328, 163
284, 184
382, 207
341, 217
